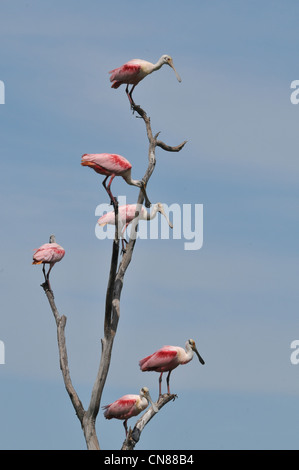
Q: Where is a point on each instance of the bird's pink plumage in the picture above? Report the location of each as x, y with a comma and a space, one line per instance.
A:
126, 214
123, 408
127, 73
107, 163
49, 253
160, 361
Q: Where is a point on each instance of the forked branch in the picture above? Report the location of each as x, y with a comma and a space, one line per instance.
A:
134, 435
112, 315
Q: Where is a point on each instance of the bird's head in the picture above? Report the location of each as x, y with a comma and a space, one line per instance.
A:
52, 239
144, 392
162, 211
191, 344
166, 59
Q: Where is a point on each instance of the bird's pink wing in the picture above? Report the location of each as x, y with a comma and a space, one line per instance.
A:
109, 218
161, 358
120, 408
110, 162
57, 253
43, 247
130, 212
49, 253
125, 72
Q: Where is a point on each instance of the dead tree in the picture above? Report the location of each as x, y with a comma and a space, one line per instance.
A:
117, 273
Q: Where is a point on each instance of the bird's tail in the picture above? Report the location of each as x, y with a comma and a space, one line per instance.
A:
36, 262
106, 412
116, 84
85, 162
142, 363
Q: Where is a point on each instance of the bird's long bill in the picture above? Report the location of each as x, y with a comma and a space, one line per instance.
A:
176, 74
168, 221
199, 357
152, 403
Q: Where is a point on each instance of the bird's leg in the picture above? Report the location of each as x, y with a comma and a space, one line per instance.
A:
51, 266
147, 202
104, 183
125, 426
48, 282
113, 200
167, 381
160, 383
123, 242
129, 95
44, 271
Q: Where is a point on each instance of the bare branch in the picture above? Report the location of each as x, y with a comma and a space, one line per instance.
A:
60, 323
134, 435
164, 146
146, 119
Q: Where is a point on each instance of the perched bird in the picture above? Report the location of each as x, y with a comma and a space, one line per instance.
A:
126, 214
135, 70
128, 406
168, 358
110, 164
49, 253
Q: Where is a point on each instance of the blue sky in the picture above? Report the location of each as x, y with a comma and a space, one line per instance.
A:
237, 296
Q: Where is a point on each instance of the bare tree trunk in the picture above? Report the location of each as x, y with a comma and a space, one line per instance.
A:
112, 314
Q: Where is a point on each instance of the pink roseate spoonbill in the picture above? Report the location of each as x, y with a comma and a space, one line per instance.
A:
168, 358
128, 406
49, 253
126, 214
110, 164
135, 70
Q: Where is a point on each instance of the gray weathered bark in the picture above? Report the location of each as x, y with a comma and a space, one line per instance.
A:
112, 314
134, 435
